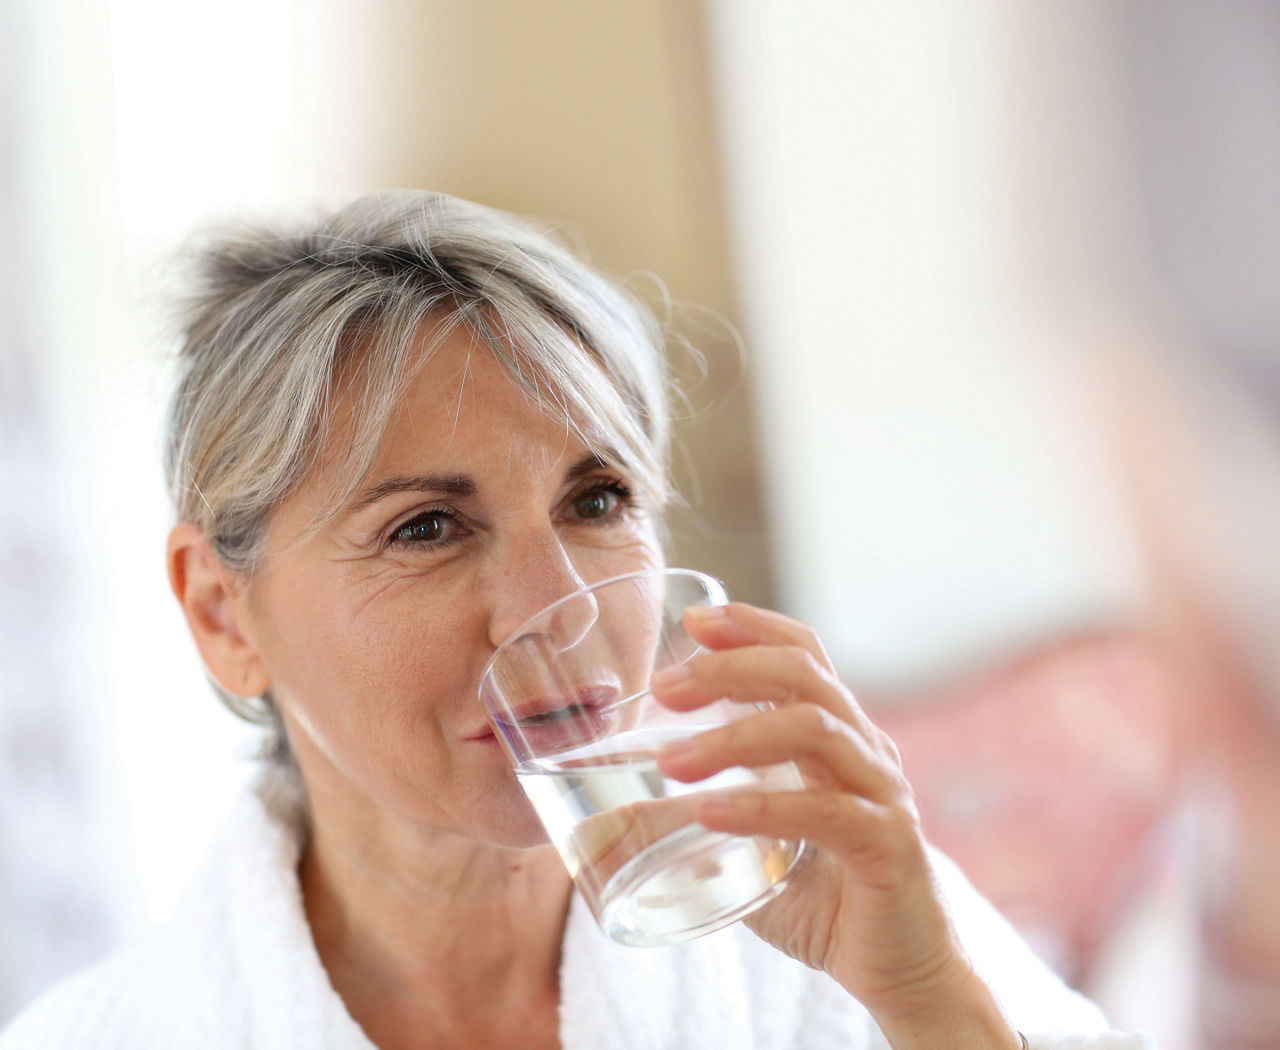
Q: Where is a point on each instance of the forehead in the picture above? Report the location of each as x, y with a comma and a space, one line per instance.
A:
462, 405
460, 399
447, 391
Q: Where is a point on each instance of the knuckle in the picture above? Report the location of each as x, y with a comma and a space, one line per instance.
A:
816, 722
897, 840
828, 807
902, 806
889, 748
809, 636
802, 662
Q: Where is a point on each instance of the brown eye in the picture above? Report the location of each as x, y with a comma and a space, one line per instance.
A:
601, 503
598, 503
429, 528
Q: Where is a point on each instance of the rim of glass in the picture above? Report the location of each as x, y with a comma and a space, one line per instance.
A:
715, 589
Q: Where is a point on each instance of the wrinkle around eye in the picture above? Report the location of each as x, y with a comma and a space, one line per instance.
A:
396, 569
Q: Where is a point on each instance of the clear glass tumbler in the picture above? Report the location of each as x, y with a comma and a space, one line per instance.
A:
568, 696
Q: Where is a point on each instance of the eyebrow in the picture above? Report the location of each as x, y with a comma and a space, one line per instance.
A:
445, 484
459, 485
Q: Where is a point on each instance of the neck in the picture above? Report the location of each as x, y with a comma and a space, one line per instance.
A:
424, 931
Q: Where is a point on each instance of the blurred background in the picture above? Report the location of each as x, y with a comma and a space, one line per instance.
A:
1004, 420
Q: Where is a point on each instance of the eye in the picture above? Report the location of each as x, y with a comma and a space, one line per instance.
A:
432, 528
601, 502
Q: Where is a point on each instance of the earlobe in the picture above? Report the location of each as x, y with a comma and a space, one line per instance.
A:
210, 598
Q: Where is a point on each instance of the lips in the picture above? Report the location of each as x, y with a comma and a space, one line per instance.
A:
547, 724
548, 710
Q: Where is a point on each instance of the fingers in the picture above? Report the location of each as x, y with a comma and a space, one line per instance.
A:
738, 624
754, 656
782, 674
829, 752
882, 839
756, 674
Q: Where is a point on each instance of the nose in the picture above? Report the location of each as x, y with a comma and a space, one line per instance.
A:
540, 574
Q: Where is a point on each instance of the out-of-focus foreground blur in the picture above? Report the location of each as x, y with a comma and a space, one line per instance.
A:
1005, 428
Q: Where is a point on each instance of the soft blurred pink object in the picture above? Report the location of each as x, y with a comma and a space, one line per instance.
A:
1049, 780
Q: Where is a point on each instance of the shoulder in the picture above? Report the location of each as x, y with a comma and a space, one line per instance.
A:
149, 996
190, 982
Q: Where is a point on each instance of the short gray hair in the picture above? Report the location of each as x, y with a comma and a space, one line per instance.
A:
279, 319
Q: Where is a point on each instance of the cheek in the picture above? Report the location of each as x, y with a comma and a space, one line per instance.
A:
639, 550
379, 667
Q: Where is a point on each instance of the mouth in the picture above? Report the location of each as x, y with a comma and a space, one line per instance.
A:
552, 723
552, 710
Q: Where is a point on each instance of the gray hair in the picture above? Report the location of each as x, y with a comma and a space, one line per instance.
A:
280, 320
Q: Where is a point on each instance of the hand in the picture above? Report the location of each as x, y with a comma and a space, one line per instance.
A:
868, 909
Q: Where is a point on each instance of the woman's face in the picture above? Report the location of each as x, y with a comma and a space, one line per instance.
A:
479, 510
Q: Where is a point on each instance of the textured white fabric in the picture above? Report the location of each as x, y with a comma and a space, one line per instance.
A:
236, 967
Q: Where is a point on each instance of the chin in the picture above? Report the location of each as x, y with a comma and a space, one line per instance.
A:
505, 819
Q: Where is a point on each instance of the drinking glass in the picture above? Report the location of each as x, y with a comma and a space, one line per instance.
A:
568, 697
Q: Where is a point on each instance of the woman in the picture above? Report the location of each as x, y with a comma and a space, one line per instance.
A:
395, 437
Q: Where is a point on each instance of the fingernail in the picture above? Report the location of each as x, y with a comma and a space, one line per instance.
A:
679, 750
707, 613
671, 677
718, 804
732, 805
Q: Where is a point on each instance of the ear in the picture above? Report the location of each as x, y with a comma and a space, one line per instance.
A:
212, 598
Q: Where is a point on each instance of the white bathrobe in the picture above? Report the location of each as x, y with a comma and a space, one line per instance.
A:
236, 968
